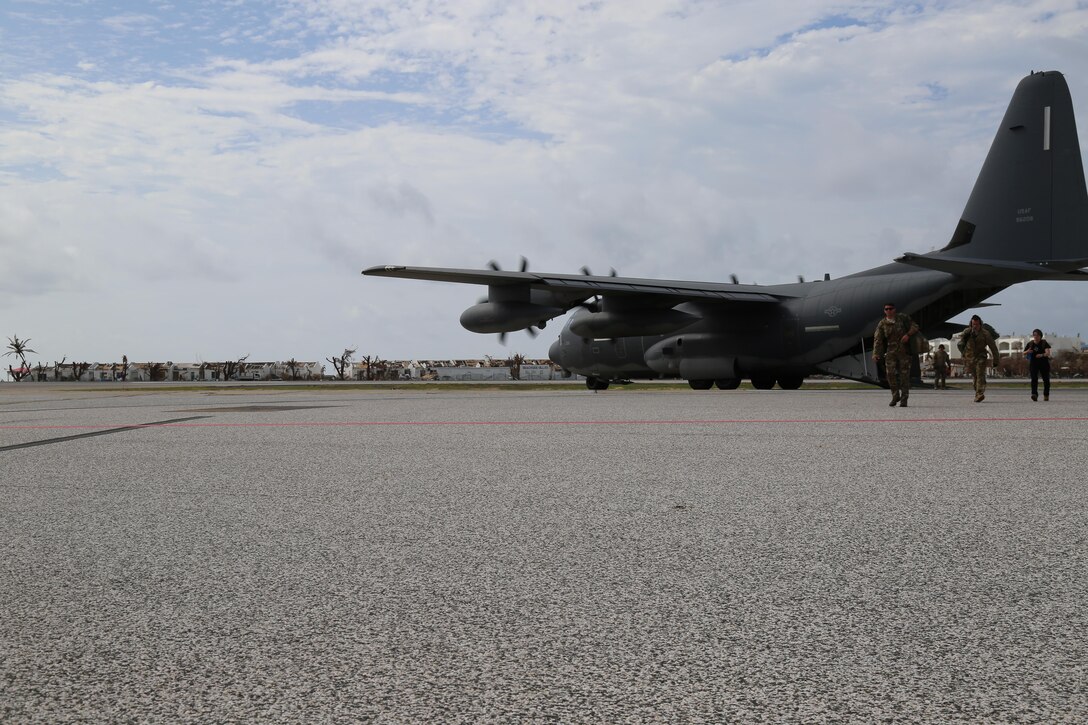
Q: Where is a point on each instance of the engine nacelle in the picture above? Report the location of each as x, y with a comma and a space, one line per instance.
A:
693, 357
489, 317
630, 323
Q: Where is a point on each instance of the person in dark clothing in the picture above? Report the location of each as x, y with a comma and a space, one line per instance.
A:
1037, 352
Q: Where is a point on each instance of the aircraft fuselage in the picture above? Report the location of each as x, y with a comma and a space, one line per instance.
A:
819, 323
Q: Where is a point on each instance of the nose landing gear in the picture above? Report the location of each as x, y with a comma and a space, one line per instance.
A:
594, 383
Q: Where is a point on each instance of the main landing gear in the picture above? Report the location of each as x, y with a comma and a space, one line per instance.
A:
759, 382
602, 383
722, 383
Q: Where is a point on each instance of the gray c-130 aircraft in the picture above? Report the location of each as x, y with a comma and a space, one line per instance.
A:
1026, 219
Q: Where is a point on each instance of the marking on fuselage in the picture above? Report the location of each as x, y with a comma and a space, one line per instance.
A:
1046, 128
832, 310
822, 328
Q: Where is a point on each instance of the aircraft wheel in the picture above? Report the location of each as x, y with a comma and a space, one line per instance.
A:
727, 383
701, 384
791, 382
596, 383
762, 382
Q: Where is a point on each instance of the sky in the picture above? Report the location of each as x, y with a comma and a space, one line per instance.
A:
198, 181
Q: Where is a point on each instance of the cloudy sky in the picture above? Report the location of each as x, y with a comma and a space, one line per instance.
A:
199, 180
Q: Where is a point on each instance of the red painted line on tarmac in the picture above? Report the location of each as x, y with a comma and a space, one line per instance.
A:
466, 423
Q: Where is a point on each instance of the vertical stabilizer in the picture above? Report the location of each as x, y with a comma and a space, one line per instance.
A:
1029, 202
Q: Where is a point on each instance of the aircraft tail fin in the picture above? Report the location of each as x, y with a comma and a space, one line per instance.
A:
1029, 203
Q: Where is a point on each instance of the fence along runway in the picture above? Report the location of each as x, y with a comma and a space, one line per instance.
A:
500, 555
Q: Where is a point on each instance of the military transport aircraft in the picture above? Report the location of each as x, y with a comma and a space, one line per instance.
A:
1026, 219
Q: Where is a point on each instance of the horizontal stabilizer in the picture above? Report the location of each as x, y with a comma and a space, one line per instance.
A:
1000, 270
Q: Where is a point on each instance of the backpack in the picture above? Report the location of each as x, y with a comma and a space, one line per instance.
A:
962, 342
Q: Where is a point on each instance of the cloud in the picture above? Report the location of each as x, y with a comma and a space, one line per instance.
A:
129, 23
401, 200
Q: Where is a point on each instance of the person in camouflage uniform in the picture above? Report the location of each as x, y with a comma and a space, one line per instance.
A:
977, 340
892, 342
940, 368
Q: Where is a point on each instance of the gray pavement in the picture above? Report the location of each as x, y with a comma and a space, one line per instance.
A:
471, 556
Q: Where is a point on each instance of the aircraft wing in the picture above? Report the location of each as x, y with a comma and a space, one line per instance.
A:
583, 285
1054, 270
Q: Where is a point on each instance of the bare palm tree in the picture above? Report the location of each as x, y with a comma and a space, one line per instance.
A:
156, 372
342, 363
292, 367
19, 348
230, 367
515, 363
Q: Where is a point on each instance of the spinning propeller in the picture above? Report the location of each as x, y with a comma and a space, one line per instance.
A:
523, 266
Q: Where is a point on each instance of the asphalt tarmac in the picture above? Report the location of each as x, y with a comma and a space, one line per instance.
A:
550, 556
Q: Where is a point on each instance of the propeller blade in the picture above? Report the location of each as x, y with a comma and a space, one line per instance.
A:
586, 272
734, 278
524, 264
612, 272
800, 278
494, 265
532, 331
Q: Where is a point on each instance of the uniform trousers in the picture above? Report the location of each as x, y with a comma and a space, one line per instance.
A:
897, 368
978, 372
1042, 368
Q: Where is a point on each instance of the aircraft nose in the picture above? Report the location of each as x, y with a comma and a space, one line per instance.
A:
553, 353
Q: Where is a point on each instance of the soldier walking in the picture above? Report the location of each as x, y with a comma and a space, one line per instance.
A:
1038, 354
940, 369
892, 342
977, 340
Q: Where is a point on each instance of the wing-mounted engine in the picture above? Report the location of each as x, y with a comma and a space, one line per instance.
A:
614, 317
510, 307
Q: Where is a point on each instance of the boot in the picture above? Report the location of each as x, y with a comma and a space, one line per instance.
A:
895, 399
1035, 397
980, 397
903, 403
1046, 398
